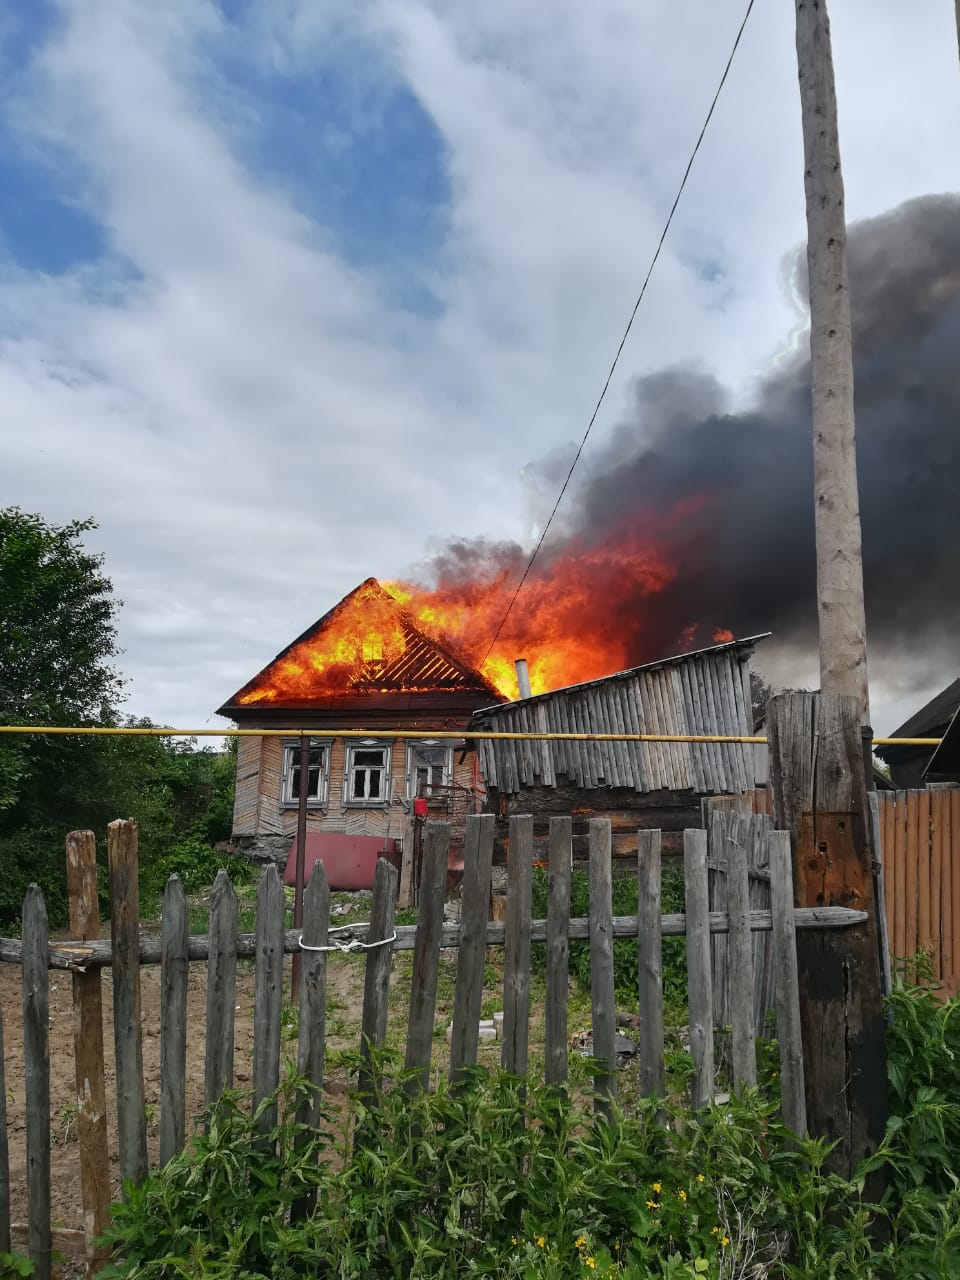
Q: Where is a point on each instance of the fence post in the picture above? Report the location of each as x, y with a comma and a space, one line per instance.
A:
125, 960
426, 954
740, 960
650, 962
475, 900
558, 950
268, 995
819, 795
315, 919
700, 986
376, 978
175, 930
81, 850
787, 985
516, 947
603, 1009
4, 1158
36, 1062
221, 989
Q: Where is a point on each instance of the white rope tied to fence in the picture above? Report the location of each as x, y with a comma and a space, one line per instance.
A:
351, 944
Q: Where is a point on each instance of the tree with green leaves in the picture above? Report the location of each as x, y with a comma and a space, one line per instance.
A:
58, 643
58, 640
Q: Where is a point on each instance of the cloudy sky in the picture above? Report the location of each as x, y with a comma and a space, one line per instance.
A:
292, 292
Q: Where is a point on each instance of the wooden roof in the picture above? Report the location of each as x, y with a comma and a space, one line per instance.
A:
706, 692
413, 674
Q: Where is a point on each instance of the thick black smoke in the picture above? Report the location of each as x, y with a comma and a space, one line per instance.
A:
744, 544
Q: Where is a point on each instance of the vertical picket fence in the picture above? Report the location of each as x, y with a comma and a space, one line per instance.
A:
741, 924
920, 843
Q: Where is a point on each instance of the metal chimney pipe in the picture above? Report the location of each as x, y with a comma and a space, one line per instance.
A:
523, 678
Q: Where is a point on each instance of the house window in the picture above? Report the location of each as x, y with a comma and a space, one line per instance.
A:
368, 773
429, 768
317, 774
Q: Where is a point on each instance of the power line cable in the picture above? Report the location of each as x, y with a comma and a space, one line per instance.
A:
626, 332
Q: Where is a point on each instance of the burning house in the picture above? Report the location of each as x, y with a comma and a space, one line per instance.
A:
635, 784
364, 665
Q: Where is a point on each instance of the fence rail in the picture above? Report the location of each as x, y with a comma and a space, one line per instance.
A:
223, 945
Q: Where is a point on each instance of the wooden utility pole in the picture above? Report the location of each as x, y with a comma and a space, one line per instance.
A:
819, 795
819, 764
843, 645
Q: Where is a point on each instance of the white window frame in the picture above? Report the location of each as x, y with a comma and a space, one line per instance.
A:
354, 748
291, 764
434, 746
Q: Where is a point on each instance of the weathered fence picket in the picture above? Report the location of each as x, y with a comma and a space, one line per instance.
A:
268, 996
744, 841
36, 1062
558, 950
787, 985
649, 963
472, 955
175, 928
761, 824
221, 988
4, 1158
81, 858
516, 947
740, 961
373, 1028
312, 1009
426, 953
602, 992
127, 1032
700, 986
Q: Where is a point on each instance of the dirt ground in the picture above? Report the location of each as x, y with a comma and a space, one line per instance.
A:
345, 988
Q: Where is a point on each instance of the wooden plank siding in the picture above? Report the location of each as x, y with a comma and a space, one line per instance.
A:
247, 794
703, 693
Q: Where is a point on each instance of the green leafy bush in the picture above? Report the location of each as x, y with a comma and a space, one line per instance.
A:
196, 863
501, 1177
498, 1177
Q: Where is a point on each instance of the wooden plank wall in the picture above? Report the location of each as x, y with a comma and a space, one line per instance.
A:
920, 843
247, 792
704, 693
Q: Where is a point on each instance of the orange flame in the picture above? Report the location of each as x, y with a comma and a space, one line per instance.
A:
576, 619
356, 644
585, 613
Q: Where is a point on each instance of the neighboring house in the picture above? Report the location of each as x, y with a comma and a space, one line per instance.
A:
944, 764
635, 784
364, 665
912, 767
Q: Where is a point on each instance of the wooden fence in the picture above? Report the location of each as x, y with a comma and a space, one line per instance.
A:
920, 841
740, 923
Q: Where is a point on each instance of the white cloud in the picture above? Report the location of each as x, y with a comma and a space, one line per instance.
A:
257, 425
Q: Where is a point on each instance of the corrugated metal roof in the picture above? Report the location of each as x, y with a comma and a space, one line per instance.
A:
706, 692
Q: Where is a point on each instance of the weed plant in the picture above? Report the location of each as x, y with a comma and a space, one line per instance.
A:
501, 1177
